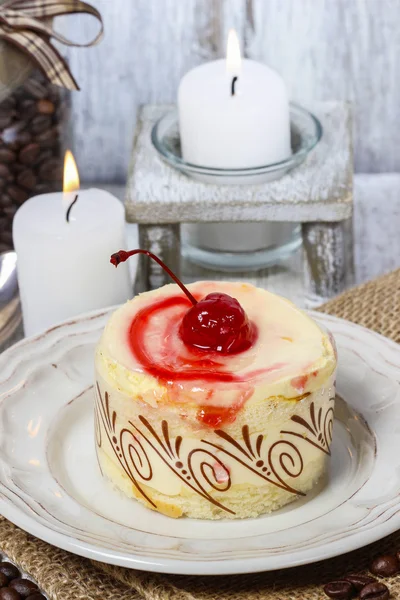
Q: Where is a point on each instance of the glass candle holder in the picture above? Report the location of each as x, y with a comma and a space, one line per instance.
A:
239, 246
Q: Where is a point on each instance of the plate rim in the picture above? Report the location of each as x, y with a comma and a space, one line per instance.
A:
215, 566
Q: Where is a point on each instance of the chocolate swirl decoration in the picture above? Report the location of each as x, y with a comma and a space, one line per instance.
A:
288, 458
278, 464
184, 468
207, 469
318, 431
97, 427
133, 453
122, 449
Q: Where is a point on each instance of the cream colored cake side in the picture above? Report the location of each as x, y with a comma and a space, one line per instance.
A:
273, 452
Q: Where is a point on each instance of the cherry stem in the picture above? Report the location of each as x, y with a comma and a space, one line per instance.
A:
123, 255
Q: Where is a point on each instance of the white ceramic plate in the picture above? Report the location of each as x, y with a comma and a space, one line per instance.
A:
50, 484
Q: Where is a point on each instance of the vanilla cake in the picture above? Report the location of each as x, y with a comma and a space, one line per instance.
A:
211, 434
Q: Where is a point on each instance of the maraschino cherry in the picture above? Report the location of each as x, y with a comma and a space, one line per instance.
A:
219, 323
216, 323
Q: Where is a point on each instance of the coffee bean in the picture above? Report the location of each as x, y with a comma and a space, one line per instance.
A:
6, 112
2, 182
9, 570
35, 88
3, 225
9, 594
13, 146
10, 136
7, 156
6, 237
385, 565
3, 580
4, 171
48, 138
23, 138
27, 179
40, 124
28, 154
358, 580
340, 589
5, 200
28, 109
55, 93
8, 104
17, 168
46, 107
9, 212
51, 170
44, 156
36, 597
24, 587
375, 591
17, 194
43, 188
5, 121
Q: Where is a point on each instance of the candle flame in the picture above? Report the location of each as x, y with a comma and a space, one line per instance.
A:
233, 59
71, 176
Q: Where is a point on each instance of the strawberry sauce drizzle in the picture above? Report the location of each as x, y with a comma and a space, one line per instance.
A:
198, 366
193, 366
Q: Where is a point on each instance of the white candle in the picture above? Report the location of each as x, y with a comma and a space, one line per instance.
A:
234, 114
64, 267
233, 123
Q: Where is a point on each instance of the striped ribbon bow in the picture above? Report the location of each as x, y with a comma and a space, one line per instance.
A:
21, 25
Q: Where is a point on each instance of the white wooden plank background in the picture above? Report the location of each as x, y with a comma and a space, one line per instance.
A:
343, 49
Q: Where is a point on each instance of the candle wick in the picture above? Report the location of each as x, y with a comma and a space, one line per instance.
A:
70, 207
234, 80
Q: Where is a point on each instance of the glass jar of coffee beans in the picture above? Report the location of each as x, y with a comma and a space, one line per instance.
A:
33, 136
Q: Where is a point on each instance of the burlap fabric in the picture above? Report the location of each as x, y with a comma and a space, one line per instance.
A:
64, 576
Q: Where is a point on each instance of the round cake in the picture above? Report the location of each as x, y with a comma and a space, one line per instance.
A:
232, 429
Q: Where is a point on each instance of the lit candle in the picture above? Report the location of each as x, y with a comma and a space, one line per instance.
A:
233, 113
63, 242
